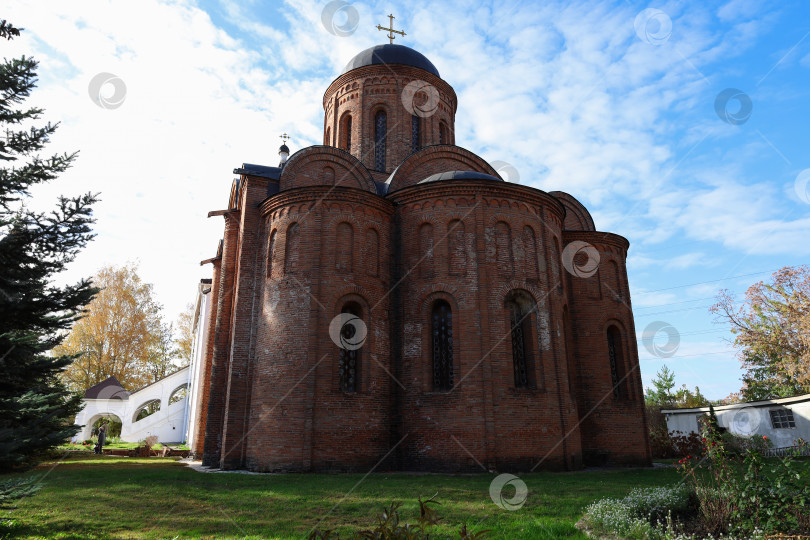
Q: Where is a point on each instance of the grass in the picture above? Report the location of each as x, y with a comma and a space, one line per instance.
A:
118, 445
87, 496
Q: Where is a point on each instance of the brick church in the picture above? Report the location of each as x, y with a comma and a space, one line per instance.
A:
473, 339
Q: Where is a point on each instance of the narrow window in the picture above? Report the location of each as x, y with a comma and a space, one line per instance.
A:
455, 247
518, 325
443, 133
271, 250
380, 130
442, 338
616, 363
372, 252
344, 246
349, 360
569, 351
327, 140
346, 133
293, 248
530, 249
415, 133
503, 249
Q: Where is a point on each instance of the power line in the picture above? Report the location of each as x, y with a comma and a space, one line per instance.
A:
710, 281
675, 303
672, 311
692, 355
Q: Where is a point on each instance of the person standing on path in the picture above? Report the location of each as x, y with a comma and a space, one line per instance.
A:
102, 438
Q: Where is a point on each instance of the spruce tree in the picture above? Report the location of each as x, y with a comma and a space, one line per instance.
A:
36, 410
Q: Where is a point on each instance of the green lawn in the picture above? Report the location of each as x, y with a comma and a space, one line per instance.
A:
88, 496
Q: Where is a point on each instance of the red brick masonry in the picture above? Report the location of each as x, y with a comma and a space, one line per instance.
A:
291, 261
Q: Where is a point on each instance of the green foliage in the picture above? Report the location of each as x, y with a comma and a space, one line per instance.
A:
14, 490
743, 496
390, 527
772, 327
35, 407
661, 392
663, 395
777, 502
91, 496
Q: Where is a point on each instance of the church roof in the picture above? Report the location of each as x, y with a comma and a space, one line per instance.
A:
263, 171
459, 175
391, 54
109, 388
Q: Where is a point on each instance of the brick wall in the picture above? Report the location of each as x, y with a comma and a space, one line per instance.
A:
291, 262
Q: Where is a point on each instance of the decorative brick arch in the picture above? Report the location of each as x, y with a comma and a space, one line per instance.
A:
435, 159
305, 168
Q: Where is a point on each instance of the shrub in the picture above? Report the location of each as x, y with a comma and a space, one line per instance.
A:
635, 516
754, 501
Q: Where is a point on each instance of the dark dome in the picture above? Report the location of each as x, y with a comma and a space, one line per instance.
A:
459, 175
391, 54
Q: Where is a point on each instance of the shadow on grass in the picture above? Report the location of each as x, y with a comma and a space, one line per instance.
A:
109, 497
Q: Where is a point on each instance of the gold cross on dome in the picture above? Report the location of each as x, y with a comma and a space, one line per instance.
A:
284, 139
390, 29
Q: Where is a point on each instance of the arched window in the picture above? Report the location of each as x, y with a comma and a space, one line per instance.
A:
443, 134
349, 359
520, 309
292, 255
380, 136
344, 246
327, 140
416, 133
346, 133
441, 326
271, 251
147, 409
616, 360
178, 394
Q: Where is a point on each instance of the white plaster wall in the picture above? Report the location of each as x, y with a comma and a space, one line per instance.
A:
194, 404
168, 423
749, 420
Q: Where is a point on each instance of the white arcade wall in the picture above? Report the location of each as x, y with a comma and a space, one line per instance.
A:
168, 424
171, 423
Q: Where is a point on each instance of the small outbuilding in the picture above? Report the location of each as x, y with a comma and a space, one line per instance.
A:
783, 420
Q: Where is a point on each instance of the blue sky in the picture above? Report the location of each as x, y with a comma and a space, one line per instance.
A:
613, 102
